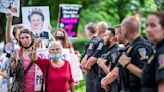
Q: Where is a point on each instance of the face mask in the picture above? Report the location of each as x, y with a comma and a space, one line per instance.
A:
59, 37
55, 56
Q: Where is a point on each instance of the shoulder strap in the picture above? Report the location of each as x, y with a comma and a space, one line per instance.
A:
29, 66
47, 71
46, 84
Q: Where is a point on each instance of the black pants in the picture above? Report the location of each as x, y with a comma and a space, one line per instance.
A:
124, 90
90, 84
135, 90
113, 88
149, 89
98, 87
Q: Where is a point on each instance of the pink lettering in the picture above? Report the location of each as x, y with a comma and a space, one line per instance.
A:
69, 28
69, 20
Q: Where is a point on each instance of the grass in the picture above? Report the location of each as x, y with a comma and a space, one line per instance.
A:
81, 86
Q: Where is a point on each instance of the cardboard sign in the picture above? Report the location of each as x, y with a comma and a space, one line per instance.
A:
69, 18
37, 20
10, 6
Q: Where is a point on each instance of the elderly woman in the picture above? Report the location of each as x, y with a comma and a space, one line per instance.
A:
56, 71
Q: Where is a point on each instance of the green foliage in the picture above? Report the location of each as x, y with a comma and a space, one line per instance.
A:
110, 11
81, 86
79, 44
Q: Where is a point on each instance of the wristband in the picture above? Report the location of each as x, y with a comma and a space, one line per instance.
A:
127, 64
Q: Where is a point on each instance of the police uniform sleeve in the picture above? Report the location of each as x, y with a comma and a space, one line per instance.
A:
160, 67
141, 55
90, 49
99, 50
92, 45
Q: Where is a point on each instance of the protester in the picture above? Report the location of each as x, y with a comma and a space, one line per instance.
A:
153, 73
62, 36
3, 72
16, 29
22, 65
56, 71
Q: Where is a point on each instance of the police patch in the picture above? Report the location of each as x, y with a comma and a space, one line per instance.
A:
114, 56
142, 53
100, 46
90, 46
151, 57
161, 61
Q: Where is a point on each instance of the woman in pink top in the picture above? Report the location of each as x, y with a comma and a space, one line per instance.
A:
23, 66
56, 72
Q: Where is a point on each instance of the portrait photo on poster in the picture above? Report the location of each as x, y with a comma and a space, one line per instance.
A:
10, 6
37, 19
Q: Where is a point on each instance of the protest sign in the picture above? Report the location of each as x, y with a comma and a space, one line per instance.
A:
37, 20
10, 6
69, 15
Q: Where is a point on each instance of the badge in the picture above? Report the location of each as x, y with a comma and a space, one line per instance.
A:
90, 46
161, 61
9, 47
151, 57
100, 46
142, 52
114, 56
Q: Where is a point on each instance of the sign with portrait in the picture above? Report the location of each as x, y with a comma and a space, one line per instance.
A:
10, 6
37, 20
69, 15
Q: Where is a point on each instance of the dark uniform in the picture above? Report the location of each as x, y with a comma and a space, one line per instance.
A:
92, 46
148, 75
140, 51
159, 60
159, 57
99, 51
111, 56
123, 80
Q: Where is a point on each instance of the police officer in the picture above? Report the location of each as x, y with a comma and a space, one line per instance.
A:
140, 51
108, 60
93, 45
118, 72
155, 33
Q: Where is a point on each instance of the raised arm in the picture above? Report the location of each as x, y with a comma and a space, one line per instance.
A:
35, 46
8, 27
